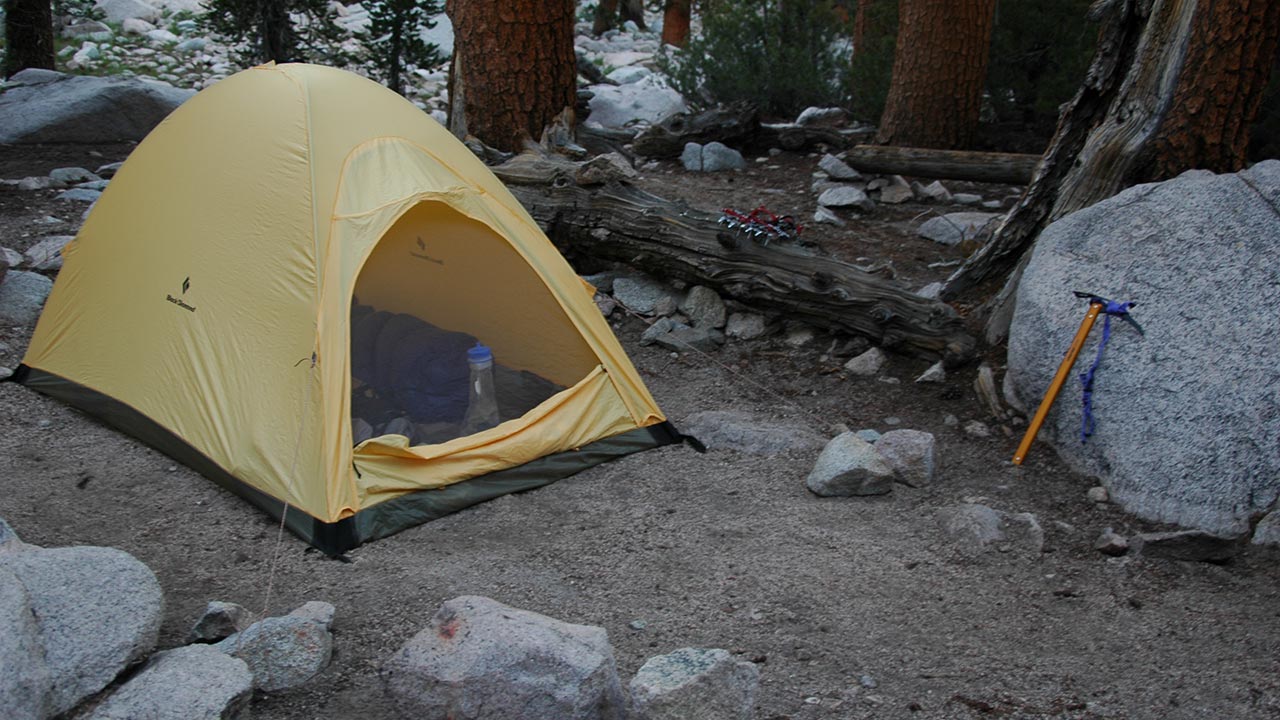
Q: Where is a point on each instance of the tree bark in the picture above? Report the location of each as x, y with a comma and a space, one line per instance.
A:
606, 17
516, 68
621, 223
1220, 89
946, 164
858, 32
675, 22
939, 67
633, 10
28, 32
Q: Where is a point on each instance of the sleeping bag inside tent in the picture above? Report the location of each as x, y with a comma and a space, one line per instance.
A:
305, 288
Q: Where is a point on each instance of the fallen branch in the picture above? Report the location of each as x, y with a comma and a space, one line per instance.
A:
946, 164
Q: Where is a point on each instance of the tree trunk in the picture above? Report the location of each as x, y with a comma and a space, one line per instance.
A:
939, 68
988, 167
1227, 67
28, 32
859, 31
606, 17
675, 22
516, 68
621, 223
633, 10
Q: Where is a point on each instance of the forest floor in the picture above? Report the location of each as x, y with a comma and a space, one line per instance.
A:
852, 607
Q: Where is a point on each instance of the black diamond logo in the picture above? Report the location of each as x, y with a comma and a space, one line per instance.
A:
185, 285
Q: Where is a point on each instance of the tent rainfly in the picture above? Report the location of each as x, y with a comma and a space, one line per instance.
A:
280, 288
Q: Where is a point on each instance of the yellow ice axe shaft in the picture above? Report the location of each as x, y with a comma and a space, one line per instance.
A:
1056, 386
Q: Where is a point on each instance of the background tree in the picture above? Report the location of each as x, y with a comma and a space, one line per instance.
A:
675, 22
270, 32
939, 71
393, 39
610, 14
28, 35
514, 68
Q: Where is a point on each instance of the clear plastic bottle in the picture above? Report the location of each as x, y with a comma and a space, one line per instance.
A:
482, 405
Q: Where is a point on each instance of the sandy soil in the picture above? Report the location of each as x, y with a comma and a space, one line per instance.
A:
853, 607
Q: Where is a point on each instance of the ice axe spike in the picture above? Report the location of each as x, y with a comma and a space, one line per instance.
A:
1096, 304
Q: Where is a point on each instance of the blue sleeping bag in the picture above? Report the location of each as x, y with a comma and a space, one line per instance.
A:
418, 367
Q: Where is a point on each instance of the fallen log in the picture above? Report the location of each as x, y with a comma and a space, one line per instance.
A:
990, 167
621, 223
739, 126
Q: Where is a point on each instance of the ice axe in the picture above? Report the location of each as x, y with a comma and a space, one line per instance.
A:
1097, 305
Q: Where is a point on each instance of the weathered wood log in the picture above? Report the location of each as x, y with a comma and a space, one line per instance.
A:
618, 222
990, 167
729, 125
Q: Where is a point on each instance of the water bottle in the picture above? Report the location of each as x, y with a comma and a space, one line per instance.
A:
482, 405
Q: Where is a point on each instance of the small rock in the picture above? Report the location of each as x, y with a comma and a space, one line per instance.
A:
869, 435
954, 228
850, 466
836, 168
930, 291
637, 625
896, 194
977, 428
846, 196
934, 191
22, 296
282, 652
935, 374
221, 620
745, 326
950, 420
707, 684
639, 294
161, 36
821, 117
318, 610
35, 183
976, 528
683, 337
46, 255
704, 307
799, 335
746, 433
109, 170
893, 420
1109, 543
195, 682
868, 682
911, 454
824, 216
1193, 545
136, 26
717, 156
867, 364
1098, 494
80, 195
71, 176
666, 306
966, 199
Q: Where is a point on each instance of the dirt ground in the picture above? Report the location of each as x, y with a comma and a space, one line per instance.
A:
852, 607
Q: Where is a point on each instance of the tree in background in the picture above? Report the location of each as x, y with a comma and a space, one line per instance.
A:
28, 35
610, 14
780, 55
277, 30
874, 30
1230, 56
939, 72
675, 22
514, 68
1039, 54
394, 41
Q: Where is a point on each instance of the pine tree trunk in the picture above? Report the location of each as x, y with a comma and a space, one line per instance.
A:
28, 32
606, 17
939, 68
859, 31
516, 68
1227, 67
675, 22
633, 10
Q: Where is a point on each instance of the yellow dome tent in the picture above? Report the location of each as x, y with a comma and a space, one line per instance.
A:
297, 251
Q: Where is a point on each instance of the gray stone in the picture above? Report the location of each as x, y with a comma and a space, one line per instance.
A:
867, 364
799, 335
25, 680
98, 185
707, 684
1109, 543
91, 29
954, 228
640, 294
9, 540
629, 74
745, 326
746, 433
191, 45
845, 196
605, 168
80, 195
221, 620
48, 107
1193, 545
977, 429
46, 255
481, 659
935, 374
869, 435
975, 528
1186, 425
821, 117
704, 307
717, 156
36, 183
282, 652
603, 281
837, 169
1098, 494
318, 610
22, 296
160, 36
896, 194
117, 11
188, 683
72, 175
660, 327
98, 610
992, 204
1010, 394
683, 338
966, 199
1267, 531
109, 170
826, 217
911, 454
691, 157
649, 99
136, 26
850, 466
934, 191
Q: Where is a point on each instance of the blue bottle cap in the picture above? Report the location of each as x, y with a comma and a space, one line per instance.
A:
479, 353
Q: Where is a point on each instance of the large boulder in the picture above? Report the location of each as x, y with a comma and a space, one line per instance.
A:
649, 100
25, 680
195, 682
1187, 429
98, 610
482, 660
42, 106
282, 652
